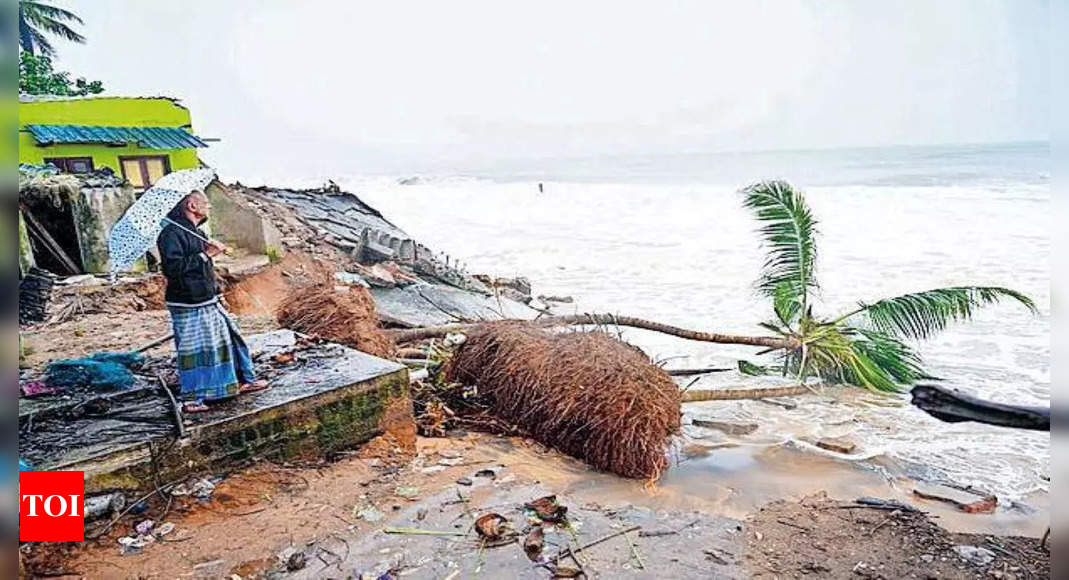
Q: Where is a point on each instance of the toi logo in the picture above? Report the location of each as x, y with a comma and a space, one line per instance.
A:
51, 506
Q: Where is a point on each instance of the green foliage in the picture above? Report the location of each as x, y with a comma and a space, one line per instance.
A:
274, 256
863, 347
922, 314
37, 20
789, 233
36, 77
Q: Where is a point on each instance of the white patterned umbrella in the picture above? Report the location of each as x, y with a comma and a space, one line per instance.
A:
137, 230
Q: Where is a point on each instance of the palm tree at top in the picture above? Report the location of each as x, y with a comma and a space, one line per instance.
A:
38, 19
864, 346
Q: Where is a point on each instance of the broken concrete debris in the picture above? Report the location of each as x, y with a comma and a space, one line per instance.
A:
837, 445
726, 426
966, 500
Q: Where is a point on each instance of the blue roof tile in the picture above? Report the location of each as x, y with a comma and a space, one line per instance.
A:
148, 137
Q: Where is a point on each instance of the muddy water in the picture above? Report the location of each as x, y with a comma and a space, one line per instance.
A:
666, 238
687, 254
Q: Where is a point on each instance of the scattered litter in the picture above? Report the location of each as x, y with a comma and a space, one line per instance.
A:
296, 561
180, 490
464, 481
35, 388
370, 514
145, 527
407, 491
534, 542
492, 526
547, 509
98, 506
421, 514
974, 554
164, 529
202, 489
131, 544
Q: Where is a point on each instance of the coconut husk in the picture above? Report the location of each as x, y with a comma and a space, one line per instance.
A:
344, 314
584, 393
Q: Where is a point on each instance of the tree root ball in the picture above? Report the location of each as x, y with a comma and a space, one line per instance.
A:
584, 393
345, 315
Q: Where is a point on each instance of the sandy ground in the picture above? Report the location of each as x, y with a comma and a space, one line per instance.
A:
258, 518
112, 331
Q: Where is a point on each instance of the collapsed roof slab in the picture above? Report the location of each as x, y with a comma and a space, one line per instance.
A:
332, 398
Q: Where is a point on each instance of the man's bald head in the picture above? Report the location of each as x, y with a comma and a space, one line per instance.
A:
196, 206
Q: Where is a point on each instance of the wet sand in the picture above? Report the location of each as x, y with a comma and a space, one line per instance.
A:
267, 510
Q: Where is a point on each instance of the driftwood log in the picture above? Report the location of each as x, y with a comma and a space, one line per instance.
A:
954, 407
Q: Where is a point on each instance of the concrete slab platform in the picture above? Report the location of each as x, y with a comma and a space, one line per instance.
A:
328, 399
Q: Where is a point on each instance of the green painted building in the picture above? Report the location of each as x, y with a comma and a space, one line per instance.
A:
139, 138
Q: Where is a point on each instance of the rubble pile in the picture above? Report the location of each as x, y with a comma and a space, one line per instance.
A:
35, 292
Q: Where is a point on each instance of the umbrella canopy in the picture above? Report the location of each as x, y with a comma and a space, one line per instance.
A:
137, 230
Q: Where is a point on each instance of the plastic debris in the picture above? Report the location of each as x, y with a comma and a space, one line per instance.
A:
370, 514
164, 529
145, 527
202, 489
975, 555
407, 491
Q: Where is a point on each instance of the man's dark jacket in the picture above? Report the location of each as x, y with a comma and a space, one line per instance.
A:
189, 270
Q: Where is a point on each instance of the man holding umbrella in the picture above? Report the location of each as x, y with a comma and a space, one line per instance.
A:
213, 360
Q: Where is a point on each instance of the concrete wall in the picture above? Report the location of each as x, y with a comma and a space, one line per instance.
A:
25, 251
240, 225
95, 211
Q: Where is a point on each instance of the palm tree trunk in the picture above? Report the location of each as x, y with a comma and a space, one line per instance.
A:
735, 394
409, 335
25, 38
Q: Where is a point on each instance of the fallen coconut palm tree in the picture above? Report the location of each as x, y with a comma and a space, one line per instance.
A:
863, 347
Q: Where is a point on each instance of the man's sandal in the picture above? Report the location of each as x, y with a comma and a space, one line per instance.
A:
252, 387
195, 407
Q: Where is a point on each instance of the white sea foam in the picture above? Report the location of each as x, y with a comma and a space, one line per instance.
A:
688, 254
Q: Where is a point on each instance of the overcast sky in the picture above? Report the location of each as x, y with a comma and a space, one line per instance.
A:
351, 86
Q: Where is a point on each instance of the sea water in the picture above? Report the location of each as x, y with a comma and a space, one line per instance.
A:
665, 237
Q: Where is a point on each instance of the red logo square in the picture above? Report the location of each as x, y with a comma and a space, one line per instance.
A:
51, 506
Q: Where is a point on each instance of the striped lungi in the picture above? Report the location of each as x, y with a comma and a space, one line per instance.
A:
213, 359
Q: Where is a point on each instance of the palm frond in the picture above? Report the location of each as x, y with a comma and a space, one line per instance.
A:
41, 43
752, 370
38, 12
922, 314
789, 234
62, 30
897, 360
786, 305
37, 18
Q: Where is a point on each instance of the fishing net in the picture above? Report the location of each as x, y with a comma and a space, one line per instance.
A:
585, 393
103, 370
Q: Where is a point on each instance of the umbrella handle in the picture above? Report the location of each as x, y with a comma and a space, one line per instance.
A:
195, 234
182, 227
